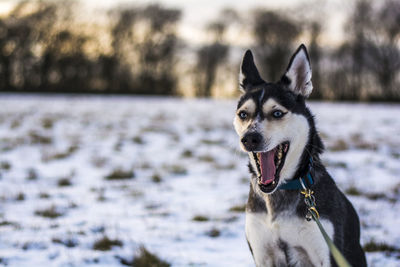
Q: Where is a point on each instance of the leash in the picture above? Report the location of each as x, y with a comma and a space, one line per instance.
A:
312, 212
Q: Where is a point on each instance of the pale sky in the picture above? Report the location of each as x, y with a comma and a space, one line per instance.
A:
197, 12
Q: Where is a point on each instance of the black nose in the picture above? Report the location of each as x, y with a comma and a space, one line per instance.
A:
252, 141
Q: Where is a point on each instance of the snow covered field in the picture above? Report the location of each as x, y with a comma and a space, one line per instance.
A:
167, 174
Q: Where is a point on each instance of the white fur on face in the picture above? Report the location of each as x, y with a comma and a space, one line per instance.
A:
241, 127
291, 127
253, 124
299, 73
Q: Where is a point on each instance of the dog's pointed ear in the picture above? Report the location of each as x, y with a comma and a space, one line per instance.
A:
298, 74
249, 75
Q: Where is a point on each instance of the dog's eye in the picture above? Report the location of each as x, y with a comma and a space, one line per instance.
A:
277, 114
243, 115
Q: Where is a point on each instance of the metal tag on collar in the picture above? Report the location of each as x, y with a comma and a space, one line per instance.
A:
309, 200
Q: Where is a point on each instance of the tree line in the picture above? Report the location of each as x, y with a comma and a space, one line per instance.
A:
44, 49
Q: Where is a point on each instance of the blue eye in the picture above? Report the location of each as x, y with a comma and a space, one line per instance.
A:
243, 115
277, 114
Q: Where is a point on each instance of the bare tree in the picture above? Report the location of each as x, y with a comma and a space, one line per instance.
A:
383, 58
211, 57
316, 54
275, 36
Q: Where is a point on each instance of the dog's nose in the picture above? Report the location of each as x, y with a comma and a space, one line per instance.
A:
251, 141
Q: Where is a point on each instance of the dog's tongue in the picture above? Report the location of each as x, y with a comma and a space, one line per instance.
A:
267, 167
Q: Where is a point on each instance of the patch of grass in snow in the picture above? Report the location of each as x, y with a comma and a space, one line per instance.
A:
3, 261
244, 180
101, 194
376, 196
136, 193
187, 153
176, 169
119, 144
15, 123
60, 155
32, 174
8, 223
66, 181
8, 144
5, 165
353, 191
145, 258
205, 127
39, 139
47, 122
156, 178
50, 212
44, 195
335, 164
238, 208
145, 165
214, 232
138, 140
20, 196
231, 219
62, 182
212, 142
69, 242
152, 206
323, 135
33, 245
339, 145
228, 166
396, 189
106, 243
120, 174
72, 205
207, 158
200, 218
373, 246
174, 137
99, 162
358, 142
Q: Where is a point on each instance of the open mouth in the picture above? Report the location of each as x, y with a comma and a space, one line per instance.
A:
269, 165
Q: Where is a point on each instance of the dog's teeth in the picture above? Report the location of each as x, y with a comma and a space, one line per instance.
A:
273, 182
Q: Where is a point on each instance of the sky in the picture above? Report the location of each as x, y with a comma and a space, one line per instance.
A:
196, 13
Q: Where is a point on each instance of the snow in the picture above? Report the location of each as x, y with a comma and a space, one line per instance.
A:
191, 146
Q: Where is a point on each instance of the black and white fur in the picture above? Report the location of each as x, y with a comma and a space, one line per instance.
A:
276, 229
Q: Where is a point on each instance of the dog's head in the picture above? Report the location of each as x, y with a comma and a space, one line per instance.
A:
272, 120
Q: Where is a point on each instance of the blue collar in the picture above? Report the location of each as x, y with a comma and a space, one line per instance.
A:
295, 184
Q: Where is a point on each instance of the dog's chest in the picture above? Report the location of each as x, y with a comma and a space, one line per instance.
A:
286, 241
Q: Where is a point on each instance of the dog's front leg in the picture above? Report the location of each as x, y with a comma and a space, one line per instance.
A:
263, 242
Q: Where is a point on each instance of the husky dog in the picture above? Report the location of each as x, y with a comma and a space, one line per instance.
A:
278, 132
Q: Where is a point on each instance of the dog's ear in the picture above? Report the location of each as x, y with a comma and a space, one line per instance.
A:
249, 75
298, 74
